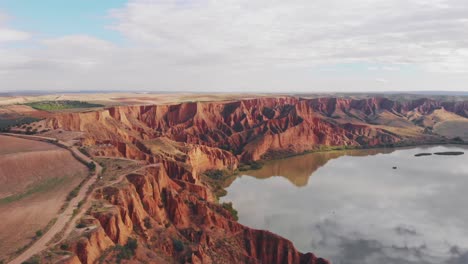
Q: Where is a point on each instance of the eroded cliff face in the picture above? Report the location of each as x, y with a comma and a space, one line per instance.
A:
172, 213
252, 128
157, 210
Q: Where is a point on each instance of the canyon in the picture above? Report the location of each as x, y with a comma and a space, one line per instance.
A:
172, 213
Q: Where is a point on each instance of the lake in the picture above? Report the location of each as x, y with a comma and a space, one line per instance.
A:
353, 207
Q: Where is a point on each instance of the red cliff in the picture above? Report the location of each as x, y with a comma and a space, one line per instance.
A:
172, 213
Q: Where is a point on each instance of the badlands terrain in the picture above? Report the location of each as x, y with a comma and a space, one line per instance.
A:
165, 159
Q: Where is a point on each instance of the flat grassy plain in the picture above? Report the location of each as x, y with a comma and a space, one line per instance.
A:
35, 179
61, 105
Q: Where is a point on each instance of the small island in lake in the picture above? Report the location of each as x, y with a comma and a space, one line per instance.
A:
422, 154
450, 153
446, 153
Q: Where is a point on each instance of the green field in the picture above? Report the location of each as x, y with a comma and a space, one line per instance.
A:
61, 105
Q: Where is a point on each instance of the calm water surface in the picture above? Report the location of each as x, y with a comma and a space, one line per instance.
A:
353, 207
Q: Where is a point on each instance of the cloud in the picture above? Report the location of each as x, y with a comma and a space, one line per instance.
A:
458, 257
242, 45
8, 34
355, 248
301, 32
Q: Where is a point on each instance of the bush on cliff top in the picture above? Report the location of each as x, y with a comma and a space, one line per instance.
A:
230, 209
216, 174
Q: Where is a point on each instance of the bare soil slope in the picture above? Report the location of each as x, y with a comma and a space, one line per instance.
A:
35, 178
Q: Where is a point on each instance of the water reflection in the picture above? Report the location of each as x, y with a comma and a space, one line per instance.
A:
357, 209
298, 169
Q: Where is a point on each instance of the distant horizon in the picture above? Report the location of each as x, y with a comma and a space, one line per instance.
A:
422, 92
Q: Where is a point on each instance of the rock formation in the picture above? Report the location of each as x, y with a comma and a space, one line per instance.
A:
172, 213
252, 128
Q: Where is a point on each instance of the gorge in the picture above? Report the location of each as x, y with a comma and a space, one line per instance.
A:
171, 211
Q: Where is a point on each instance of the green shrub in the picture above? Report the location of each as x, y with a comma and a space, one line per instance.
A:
73, 194
127, 251
84, 151
39, 233
230, 209
178, 245
215, 174
91, 166
33, 260
64, 247
147, 222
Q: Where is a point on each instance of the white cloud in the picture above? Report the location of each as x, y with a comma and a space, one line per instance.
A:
430, 34
268, 45
381, 80
8, 34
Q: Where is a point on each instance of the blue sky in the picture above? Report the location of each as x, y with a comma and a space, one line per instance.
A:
54, 18
235, 45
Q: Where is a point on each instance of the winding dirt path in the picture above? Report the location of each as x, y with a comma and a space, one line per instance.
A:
67, 215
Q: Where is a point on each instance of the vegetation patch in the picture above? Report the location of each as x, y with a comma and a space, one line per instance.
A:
250, 165
84, 151
216, 174
64, 247
230, 209
61, 105
73, 193
33, 260
44, 186
147, 222
81, 225
91, 165
128, 250
6, 124
178, 245
217, 180
39, 233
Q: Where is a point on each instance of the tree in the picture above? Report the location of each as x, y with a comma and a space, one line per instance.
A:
91, 166
39, 233
178, 245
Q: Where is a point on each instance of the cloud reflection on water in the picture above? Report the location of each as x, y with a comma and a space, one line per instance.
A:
360, 210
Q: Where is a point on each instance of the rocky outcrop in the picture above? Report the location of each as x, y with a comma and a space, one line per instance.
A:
170, 211
158, 210
249, 128
90, 247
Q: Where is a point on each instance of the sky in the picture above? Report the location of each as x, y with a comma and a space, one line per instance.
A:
234, 45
